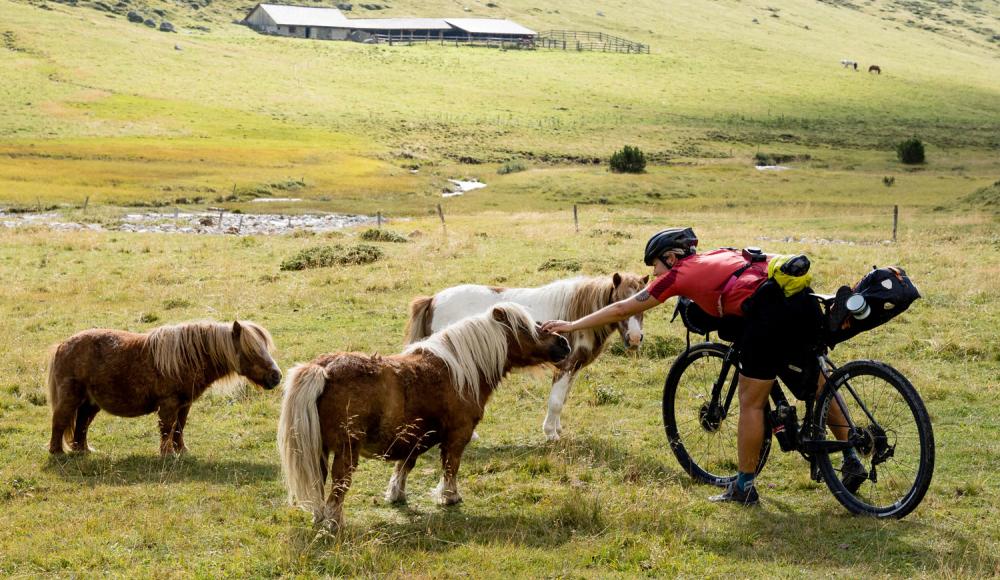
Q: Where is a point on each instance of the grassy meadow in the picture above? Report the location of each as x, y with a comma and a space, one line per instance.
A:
118, 116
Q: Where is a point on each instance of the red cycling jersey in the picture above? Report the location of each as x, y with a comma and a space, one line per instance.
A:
708, 280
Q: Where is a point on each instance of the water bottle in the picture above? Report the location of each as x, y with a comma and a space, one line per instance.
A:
785, 426
858, 307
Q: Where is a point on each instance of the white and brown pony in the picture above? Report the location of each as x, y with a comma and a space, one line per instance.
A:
397, 407
568, 299
165, 370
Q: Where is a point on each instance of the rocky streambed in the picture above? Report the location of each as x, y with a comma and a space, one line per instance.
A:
208, 222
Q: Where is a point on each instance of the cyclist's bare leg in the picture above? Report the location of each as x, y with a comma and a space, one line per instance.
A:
750, 430
836, 421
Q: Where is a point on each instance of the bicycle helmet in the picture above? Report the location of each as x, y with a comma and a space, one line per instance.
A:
681, 240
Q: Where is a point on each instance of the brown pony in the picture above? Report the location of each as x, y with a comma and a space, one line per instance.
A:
875, 69
129, 374
397, 407
569, 299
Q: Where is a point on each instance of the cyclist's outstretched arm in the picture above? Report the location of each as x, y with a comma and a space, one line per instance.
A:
610, 314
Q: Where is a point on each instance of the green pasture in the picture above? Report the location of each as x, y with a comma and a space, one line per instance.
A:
607, 500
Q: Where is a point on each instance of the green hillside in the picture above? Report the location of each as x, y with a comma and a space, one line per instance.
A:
96, 105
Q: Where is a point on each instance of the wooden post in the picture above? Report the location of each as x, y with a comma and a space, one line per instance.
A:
239, 227
895, 221
38, 202
86, 201
378, 218
177, 212
576, 219
441, 215
221, 211
289, 221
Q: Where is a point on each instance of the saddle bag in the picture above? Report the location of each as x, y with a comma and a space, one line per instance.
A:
887, 293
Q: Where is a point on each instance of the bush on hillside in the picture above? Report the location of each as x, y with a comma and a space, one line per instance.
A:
375, 235
512, 167
628, 160
910, 151
335, 255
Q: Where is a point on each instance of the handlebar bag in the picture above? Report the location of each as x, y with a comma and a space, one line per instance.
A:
888, 292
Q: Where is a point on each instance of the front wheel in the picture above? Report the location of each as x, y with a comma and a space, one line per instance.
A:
886, 420
703, 436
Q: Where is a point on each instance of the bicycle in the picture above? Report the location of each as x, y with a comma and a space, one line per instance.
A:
896, 446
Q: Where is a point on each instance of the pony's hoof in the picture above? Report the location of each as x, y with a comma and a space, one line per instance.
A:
552, 436
330, 525
395, 498
449, 499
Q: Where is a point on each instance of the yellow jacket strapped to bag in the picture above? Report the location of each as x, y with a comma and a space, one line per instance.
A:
790, 272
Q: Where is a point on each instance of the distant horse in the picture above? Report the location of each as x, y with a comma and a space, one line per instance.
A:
568, 299
875, 69
849, 63
399, 406
129, 374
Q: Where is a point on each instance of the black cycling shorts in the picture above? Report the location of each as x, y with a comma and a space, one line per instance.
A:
779, 338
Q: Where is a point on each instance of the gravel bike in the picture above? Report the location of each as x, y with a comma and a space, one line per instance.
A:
887, 425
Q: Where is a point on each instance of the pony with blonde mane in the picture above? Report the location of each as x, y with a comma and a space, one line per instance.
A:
397, 407
569, 299
166, 370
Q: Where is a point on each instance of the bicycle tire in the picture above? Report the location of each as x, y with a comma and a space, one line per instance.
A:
879, 497
714, 471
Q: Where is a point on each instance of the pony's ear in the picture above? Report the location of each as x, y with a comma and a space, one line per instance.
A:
616, 279
500, 315
237, 331
645, 279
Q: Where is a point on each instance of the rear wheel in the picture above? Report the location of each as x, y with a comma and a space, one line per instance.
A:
703, 437
893, 437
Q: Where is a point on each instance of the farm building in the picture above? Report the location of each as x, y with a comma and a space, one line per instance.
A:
301, 21
331, 24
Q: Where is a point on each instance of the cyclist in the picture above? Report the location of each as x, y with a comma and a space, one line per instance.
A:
720, 282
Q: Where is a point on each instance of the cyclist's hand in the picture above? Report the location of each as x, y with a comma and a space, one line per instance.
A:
557, 326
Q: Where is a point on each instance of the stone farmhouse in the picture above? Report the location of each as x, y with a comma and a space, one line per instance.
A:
331, 24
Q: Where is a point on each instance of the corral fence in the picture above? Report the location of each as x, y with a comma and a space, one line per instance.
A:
418, 37
583, 40
578, 40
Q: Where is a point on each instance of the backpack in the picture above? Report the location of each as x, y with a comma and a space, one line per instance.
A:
888, 293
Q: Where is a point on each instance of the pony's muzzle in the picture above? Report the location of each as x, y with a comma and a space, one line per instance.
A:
560, 349
634, 340
273, 379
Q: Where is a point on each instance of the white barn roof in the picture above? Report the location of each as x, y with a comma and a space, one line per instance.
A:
305, 16
399, 23
489, 26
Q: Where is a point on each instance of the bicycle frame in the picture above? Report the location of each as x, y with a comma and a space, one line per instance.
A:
807, 441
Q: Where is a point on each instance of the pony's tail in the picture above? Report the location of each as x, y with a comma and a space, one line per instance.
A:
53, 387
418, 326
300, 444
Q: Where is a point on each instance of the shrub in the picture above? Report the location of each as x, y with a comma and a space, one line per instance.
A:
557, 264
607, 396
512, 167
911, 151
628, 160
375, 235
335, 255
